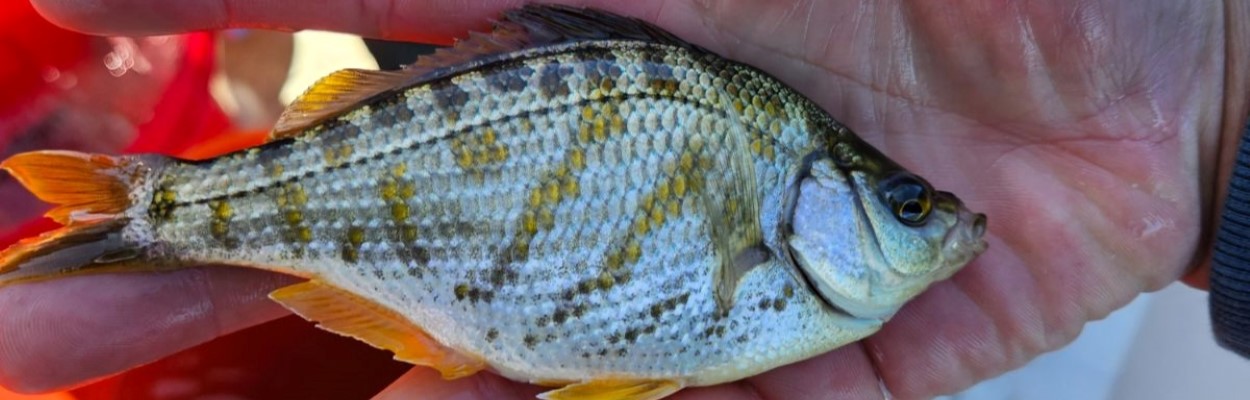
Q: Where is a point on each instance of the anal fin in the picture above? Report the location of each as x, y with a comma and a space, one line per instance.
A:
615, 389
347, 314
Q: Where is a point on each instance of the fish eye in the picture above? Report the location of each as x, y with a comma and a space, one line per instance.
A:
908, 198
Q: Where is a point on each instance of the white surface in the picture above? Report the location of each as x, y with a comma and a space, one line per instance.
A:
1159, 347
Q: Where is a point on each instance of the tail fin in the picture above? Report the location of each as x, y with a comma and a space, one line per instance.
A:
91, 192
82, 185
95, 246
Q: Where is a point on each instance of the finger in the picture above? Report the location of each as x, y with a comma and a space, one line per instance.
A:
421, 20
845, 373
63, 333
426, 384
962, 331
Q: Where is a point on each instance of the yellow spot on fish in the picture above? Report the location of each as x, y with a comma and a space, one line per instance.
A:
399, 170
577, 159
304, 234
294, 216
633, 252
355, 236
520, 249
641, 225
570, 187
545, 218
529, 222
553, 192
583, 132
409, 233
647, 201
399, 211
390, 191
168, 196
222, 210
298, 197
618, 123
605, 280
657, 216
536, 197
500, 154
488, 136
601, 131
679, 185
407, 190
588, 113
686, 162
613, 261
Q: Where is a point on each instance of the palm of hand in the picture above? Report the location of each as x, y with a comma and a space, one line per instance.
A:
1074, 127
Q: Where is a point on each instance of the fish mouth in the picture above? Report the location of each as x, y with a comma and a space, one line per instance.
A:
965, 240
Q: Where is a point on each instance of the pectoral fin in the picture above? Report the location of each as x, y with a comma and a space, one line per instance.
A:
733, 220
347, 314
615, 389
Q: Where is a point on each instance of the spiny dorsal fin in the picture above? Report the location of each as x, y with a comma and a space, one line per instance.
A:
528, 27
541, 25
332, 96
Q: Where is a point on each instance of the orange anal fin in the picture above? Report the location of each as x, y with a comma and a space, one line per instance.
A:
347, 314
621, 389
79, 183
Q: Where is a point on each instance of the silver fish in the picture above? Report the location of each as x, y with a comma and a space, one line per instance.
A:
578, 199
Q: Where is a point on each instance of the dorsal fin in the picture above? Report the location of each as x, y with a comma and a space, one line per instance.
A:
332, 96
537, 25
528, 27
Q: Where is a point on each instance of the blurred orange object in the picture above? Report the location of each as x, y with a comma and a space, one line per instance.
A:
7, 395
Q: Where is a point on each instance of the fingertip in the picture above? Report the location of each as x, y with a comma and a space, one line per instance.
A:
133, 17
423, 383
65, 333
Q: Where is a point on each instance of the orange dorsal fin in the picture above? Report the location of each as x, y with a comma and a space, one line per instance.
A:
83, 186
334, 95
347, 314
525, 28
615, 389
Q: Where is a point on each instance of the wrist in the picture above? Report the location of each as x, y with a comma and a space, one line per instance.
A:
1218, 152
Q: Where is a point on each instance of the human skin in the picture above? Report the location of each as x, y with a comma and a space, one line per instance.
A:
1096, 135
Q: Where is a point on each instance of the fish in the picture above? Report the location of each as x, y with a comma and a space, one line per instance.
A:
575, 199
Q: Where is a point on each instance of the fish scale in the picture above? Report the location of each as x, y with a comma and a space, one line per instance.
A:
593, 204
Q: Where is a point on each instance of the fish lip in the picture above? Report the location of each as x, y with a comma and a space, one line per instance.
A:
966, 239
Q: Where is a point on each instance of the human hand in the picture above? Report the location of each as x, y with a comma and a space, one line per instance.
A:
1087, 131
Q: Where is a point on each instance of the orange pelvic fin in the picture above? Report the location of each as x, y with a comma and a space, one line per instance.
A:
347, 314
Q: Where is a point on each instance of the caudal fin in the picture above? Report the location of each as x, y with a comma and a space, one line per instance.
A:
83, 186
91, 193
